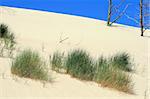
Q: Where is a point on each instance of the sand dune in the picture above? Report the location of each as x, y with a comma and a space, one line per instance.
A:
43, 31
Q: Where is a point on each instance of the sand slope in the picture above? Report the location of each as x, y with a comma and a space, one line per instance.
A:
44, 31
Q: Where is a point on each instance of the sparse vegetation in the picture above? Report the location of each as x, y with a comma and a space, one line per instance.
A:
108, 76
101, 67
117, 79
121, 61
57, 61
29, 64
80, 64
7, 41
3, 31
109, 72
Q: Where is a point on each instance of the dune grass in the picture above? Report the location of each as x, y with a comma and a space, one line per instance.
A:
80, 64
29, 64
109, 76
108, 72
121, 61
3, 30
57, 61
7, 40
116, 79
101, 68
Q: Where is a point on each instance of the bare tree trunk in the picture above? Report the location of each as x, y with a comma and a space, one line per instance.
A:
141, 17
109, 12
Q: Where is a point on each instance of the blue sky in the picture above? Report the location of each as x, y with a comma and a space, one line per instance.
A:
96, 9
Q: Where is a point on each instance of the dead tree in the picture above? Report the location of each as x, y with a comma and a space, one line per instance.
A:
143, 12
109, 12
144, 15
115, 9
120, 15
141, 17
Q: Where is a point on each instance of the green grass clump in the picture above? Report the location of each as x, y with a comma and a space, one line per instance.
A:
29, 64
121, 61
79, 64
108, 72
7, 41
111, 77
117, 79
57, 61
3, 30
101, 68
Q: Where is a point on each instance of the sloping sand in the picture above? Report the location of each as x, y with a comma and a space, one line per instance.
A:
43, 31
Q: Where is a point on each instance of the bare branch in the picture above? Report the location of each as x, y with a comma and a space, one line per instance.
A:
120, 15
62, 39
115, 9
146, 5
133, 19
146, 15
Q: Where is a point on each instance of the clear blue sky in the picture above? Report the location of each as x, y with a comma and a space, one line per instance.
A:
96, 9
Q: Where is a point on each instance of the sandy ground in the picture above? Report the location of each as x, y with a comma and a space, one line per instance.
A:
44, 31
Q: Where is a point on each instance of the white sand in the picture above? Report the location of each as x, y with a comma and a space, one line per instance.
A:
43, 31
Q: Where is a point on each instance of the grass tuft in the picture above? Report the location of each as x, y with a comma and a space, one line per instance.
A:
29, 64
7, 41
80, 64
3, 30
121, 61
101, 68
111, 77
57, 61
